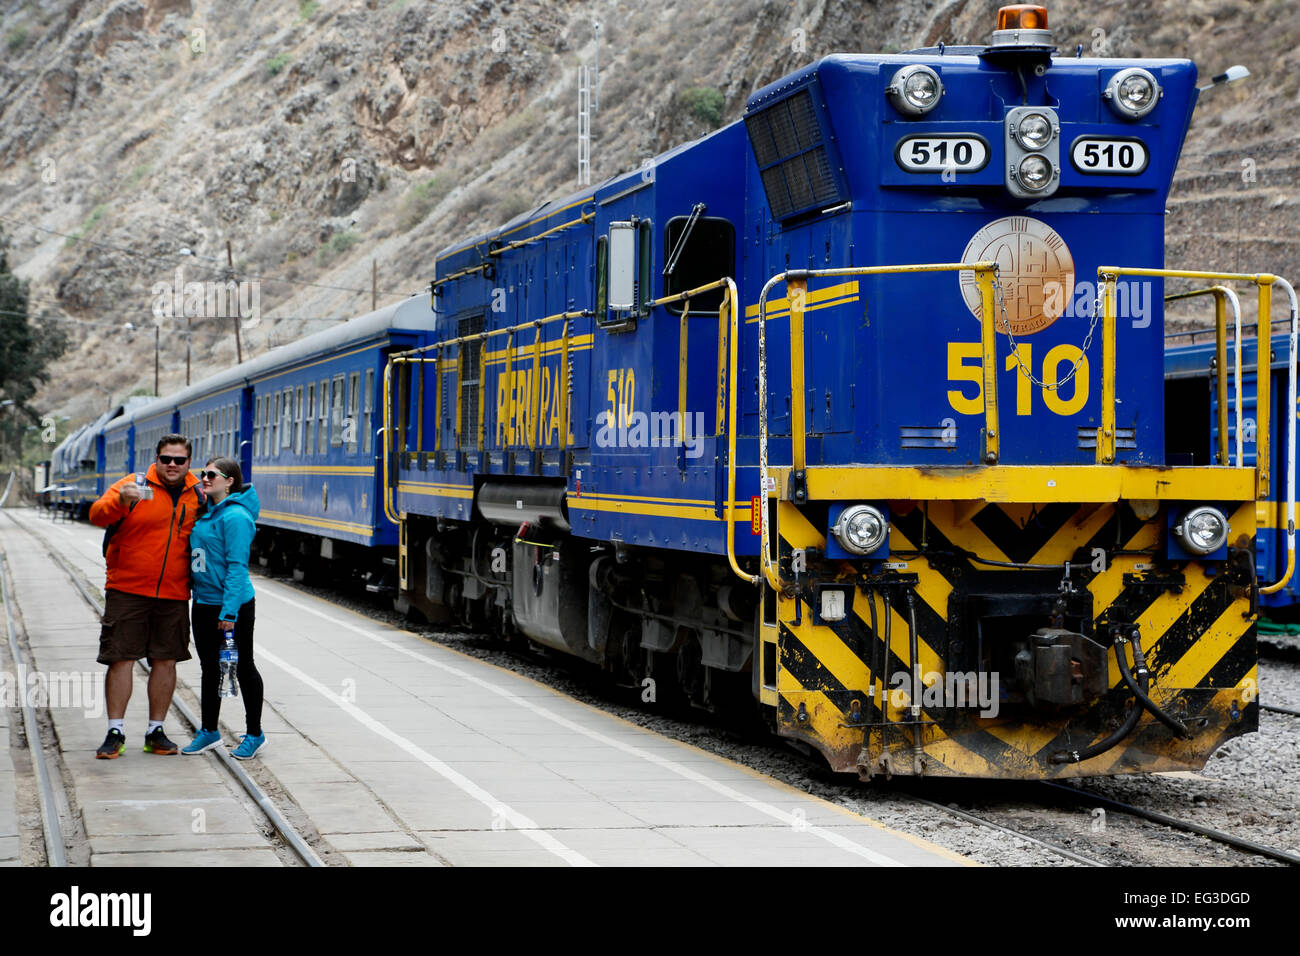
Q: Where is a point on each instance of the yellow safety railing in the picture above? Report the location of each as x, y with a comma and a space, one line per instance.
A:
797, 287
728, 333
1264, 281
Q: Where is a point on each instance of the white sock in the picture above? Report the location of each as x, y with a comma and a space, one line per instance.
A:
154, 725
116, 725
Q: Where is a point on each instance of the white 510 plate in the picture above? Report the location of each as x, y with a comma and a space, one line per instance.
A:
935, 154
1106, 156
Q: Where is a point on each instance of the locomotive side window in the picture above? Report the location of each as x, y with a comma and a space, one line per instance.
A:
354, 393
336, 413
708, 255
602, 278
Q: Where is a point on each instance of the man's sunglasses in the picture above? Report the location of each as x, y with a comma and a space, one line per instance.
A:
212, 475
173, 459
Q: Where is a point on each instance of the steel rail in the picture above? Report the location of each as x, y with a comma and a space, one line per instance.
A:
51, 825
1187, 826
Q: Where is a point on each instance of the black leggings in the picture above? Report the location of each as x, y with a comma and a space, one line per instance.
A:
208, 639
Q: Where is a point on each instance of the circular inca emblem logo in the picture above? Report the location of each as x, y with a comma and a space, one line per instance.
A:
1035, 271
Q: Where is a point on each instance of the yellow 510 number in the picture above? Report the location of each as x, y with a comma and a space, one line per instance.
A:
964, 365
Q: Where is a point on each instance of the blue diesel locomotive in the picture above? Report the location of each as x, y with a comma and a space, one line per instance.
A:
850, 411
853, 408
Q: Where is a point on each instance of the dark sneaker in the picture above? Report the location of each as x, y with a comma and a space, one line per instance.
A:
114, 746
157, 743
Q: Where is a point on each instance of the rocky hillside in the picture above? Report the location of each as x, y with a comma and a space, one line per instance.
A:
141, 136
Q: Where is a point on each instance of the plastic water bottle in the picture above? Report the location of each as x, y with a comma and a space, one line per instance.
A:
229, 661
146, 493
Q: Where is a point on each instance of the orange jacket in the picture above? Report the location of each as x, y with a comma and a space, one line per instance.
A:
149, 553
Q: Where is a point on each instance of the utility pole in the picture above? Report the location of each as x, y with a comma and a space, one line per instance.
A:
189, 327
230, 261
156, 328
584, 126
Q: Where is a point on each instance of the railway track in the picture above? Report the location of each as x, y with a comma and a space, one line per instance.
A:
292, 839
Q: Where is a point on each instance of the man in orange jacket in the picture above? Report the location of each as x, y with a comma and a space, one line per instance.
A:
146, 599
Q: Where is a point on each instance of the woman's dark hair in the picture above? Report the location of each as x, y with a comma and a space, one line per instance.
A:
230, 468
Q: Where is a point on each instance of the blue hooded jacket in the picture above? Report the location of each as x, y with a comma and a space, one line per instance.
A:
219, 546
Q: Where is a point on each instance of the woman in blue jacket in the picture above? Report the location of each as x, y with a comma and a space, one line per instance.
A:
223, 601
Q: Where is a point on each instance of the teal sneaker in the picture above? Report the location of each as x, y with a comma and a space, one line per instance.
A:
203, 740
250, 746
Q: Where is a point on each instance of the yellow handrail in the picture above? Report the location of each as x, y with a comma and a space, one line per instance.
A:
984, 270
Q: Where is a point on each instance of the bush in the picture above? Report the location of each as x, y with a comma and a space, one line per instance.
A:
277, 63
337, 244
705, 103
96, 214
307, 9
420, 200
16, 40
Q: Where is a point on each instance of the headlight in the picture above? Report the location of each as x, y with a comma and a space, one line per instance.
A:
915, 90
1035, 173
861, 529
1202, 530
1034, 131
1133, 93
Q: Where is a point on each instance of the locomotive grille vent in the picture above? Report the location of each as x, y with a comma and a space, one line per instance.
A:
927, 436
792, 157
1125, 438
469, 383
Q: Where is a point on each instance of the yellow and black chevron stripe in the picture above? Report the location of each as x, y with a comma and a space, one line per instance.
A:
1197, 632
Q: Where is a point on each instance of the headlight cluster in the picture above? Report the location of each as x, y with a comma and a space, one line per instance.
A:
1133, 93
1203, 530
915, 90
861, 529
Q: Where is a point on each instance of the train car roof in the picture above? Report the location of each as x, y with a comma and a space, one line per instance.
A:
412, 313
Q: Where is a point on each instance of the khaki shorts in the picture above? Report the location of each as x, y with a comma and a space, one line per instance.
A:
136, 626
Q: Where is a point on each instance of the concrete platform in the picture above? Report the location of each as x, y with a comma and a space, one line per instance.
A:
406, 753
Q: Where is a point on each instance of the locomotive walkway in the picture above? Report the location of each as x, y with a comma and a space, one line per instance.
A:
404, 753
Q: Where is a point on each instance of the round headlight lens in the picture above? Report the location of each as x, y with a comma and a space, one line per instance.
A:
1203, 530
915, 90
1035, 173
1133, 93
861, 529
1035, 131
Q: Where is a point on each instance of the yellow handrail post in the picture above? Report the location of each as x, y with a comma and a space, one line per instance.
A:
798, 293
731, 303
482, 392
534, 391
989, 354
682, 351
1106, 431
506, 427
562, 383
1263, 386
455, 428
724, 327
1221, 361
437, 401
